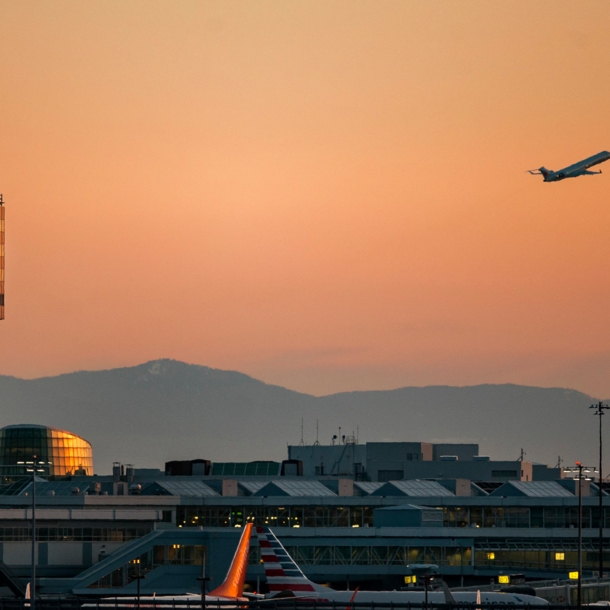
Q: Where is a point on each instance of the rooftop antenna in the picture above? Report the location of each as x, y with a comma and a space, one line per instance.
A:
559, 462
302, 443
317, 434
523, 454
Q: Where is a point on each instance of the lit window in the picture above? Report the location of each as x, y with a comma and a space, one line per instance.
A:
491, 555
504, 579
573, 575
560, 556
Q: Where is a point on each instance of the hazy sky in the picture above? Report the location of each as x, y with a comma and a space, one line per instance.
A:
327, 195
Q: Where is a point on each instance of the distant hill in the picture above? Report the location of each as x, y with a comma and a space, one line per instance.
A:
164, 410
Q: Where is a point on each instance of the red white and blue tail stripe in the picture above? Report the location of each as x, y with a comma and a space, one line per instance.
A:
282, 573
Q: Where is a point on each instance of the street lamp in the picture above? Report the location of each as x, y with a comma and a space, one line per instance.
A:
580, 469
600, 407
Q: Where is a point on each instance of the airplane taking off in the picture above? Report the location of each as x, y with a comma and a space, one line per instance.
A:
572, 171
284, 577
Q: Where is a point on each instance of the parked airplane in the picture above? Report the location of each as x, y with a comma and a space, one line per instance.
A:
572, 171
231, 590
285, 576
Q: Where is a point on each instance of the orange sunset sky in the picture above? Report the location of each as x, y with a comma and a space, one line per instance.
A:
326, 195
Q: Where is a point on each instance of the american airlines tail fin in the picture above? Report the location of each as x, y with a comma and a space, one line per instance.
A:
233, 585
282, 573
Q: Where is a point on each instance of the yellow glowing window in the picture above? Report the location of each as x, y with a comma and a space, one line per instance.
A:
410, 580
560, 556
504, 579
491, 555
573, 575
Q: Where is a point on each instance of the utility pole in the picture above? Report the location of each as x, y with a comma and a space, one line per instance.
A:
600, 407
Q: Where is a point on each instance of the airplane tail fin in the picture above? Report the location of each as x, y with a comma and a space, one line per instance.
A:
449, 599
544, 171
282, 573
233, 585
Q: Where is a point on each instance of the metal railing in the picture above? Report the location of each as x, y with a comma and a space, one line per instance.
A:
268, 604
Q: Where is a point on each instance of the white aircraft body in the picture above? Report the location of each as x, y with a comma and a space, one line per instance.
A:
285, 576
572, 171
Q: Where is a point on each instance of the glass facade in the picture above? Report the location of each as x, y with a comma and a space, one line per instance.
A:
58, 452
275, 516
362, 516
1, 260
74, 534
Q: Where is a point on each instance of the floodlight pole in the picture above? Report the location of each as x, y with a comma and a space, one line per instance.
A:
600, 407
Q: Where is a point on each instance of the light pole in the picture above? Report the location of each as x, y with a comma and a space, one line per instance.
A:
138, 576
33, 585
424, 571
600, 407
33, 466
203, 578
579, 468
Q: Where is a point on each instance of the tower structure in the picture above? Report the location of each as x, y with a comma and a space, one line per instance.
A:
1, 258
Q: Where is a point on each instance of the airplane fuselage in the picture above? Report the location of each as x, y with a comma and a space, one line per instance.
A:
577, 169
418, 597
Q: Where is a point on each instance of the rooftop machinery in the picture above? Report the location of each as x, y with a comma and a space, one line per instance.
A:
1, 258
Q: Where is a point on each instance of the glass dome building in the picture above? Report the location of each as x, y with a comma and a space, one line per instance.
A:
58, 452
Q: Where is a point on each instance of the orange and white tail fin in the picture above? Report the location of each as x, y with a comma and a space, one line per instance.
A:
233, 585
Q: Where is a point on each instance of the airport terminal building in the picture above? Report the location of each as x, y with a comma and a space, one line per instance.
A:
350, 528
